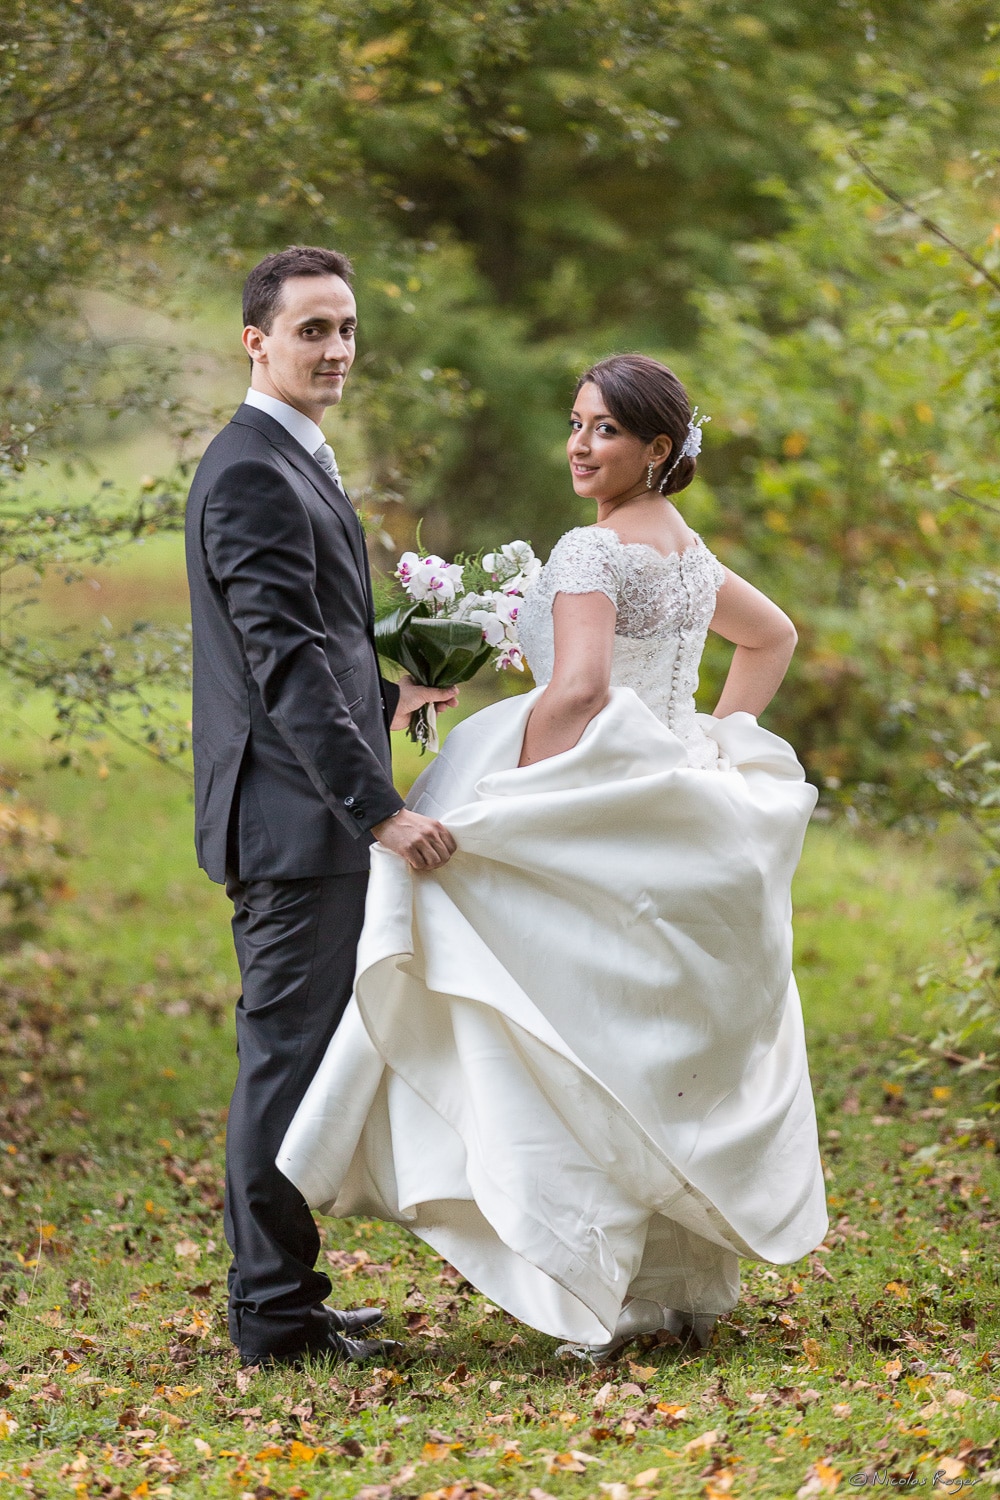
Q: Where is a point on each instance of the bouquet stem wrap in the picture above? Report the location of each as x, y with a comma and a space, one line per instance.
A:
424, 724
436, 651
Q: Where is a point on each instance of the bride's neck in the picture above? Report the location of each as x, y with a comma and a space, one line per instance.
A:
635, 500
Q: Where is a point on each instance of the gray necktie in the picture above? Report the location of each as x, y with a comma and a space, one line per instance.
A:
324, 456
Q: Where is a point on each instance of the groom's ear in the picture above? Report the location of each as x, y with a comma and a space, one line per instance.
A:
253, 343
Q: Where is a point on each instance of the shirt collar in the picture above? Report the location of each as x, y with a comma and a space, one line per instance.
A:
302, 428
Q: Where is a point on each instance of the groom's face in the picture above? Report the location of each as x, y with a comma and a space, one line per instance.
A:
305, 357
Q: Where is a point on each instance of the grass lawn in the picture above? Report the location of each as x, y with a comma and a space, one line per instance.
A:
116, 1376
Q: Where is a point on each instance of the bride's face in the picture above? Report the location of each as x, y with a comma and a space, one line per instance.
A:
606, 461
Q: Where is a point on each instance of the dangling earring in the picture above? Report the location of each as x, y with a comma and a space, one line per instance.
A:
649, 476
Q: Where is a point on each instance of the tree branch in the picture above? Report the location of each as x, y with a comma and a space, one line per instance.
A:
928, 224
912, 471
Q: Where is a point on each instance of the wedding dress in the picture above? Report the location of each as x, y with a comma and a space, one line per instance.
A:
574, 1061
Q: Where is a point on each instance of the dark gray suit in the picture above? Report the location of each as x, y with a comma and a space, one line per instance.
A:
292, 770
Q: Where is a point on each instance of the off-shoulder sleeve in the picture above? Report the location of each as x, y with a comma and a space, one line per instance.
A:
586, 561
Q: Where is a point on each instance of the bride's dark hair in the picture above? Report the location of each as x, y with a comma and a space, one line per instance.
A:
647, 399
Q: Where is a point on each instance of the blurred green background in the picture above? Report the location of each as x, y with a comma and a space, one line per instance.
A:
795, 205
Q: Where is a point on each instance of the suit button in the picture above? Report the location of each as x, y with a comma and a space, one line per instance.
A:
357, 812
348, 801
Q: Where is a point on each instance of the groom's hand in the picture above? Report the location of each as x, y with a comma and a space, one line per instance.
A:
413, 695
424, 843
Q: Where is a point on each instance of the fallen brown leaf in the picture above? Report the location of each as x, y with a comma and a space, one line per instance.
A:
702, 1443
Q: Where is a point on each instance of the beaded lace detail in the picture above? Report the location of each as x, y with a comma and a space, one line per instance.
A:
665, 605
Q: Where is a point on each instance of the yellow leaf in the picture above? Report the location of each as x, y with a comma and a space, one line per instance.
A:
898, 1289
568, 1463
924, 413
301, 1453
927, 523
720, 1486
642, 1372
893, 1367
561, 1463
270, 1450
140, 1490
794, 445
941, 1092
821, 1479
181, 1393
813, 1352
8, 1425
433, 1453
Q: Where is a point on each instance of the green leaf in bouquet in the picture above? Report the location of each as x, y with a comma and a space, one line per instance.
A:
391, 640
450, 650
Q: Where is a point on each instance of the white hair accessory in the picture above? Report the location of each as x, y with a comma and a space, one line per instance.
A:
691, 446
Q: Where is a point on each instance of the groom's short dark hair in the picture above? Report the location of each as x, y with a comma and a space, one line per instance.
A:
262, 288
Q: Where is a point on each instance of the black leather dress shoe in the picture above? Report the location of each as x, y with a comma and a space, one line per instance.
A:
359, 1351
335, 1345
353, 1320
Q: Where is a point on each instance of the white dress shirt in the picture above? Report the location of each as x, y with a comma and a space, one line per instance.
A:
302, 428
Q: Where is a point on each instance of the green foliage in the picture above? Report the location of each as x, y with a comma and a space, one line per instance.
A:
851, 465
962, 995
116, 682
32, 870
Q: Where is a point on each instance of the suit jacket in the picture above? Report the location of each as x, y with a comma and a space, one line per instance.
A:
290, 716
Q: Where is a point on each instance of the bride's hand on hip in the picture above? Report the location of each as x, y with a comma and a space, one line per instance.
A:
424, 843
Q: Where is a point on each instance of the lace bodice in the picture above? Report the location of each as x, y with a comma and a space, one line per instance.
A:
664, 604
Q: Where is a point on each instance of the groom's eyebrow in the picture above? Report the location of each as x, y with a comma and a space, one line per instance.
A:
323, 322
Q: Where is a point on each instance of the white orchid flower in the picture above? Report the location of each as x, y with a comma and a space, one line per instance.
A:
429, 578
507, 606
511, 657
493, 630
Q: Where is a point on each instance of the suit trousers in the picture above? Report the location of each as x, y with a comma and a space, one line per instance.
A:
296, 943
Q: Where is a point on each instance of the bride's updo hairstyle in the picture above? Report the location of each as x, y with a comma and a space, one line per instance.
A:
647, 399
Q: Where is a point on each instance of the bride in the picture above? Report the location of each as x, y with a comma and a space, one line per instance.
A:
574, 1061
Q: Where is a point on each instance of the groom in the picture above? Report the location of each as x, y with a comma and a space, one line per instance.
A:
292, 771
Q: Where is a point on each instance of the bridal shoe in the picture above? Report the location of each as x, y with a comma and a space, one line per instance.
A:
638, 1318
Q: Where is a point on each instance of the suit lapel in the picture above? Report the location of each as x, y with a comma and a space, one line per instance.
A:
321, 481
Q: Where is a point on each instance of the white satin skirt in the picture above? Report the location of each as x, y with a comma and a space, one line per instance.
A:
574, 1060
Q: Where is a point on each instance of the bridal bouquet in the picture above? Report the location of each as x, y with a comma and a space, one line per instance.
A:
457, 616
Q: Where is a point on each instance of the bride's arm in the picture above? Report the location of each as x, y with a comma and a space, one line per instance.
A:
765, 639
584, 626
